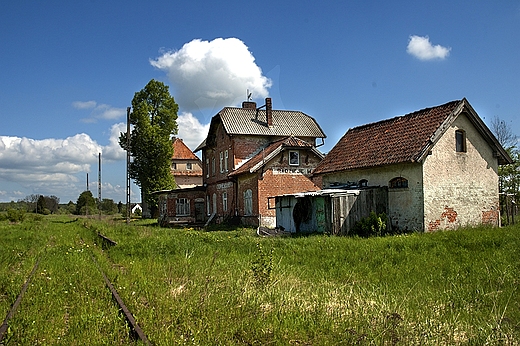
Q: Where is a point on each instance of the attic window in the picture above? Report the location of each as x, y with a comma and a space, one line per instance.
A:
398, 183
294, 158
460, 141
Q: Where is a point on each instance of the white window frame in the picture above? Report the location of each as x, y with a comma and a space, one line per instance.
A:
224, 201
207, 168
221, 159
226, 157
182, 207
296, 154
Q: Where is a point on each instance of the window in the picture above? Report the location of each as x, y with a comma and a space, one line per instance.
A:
460, 141
213, 166
248, 202
226, 156
398, 183
208, 206
294, 158
363, 183
207, 169
174, 165
182, 207
224, 201
189, 166
221, 163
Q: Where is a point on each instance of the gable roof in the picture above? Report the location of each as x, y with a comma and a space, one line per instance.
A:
406, 138
181, 151
252, 121
271, 151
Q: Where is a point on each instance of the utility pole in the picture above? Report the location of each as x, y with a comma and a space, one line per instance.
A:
128, 165
99, 185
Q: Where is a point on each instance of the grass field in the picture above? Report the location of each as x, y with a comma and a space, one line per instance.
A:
189, 287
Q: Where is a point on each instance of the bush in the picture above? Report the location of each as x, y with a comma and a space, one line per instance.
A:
15, 215
373, 225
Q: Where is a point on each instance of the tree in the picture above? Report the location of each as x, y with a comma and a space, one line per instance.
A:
40, 205
86, 204
509, 175
52, 203
154, 120
503, 133
108, 206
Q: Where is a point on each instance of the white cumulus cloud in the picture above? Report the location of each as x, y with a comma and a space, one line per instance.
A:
191, 130
213, 74
421, 48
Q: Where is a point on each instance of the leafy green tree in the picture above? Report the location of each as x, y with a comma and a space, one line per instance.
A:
108, 206
86, 203
40, 205
52, 203
154, 120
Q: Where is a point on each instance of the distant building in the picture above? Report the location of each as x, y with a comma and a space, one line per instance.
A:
186, 167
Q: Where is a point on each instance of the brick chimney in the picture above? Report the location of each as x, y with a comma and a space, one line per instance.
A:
269, 111
249, 105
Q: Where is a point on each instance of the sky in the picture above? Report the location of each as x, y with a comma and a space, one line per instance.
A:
69, 70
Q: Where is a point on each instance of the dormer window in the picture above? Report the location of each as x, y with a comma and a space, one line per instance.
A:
294, 158
460, 141
363, 183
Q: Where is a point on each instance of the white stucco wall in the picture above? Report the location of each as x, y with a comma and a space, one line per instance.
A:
461, 188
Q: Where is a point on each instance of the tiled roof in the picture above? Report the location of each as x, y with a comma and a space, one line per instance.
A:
285, 123
396, 140
181, 151
269, 152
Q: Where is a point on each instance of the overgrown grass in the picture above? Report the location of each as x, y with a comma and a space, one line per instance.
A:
231, 287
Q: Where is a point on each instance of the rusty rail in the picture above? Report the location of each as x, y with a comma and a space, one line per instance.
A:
128, 315
5, 324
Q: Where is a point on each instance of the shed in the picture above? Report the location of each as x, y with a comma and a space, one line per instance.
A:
333, 211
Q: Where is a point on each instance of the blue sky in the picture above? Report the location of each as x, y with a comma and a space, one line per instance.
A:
69, 69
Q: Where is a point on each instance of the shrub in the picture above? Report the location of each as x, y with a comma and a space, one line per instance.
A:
15, 215
372, 225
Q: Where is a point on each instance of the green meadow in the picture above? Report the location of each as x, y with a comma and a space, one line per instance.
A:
231, 287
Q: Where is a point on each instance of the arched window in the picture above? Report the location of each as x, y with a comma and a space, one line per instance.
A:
363, 183
460, 141
398, 183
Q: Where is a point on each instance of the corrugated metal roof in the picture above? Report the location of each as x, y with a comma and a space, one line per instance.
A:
241, 121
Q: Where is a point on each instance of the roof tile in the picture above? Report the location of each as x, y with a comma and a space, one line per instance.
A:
396, 140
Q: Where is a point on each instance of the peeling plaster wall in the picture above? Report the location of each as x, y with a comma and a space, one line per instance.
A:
461, 188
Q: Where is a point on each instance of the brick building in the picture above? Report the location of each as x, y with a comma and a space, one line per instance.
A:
186, 167
252, 153
440, 165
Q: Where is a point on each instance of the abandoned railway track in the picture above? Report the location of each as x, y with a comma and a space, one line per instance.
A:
135, 331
